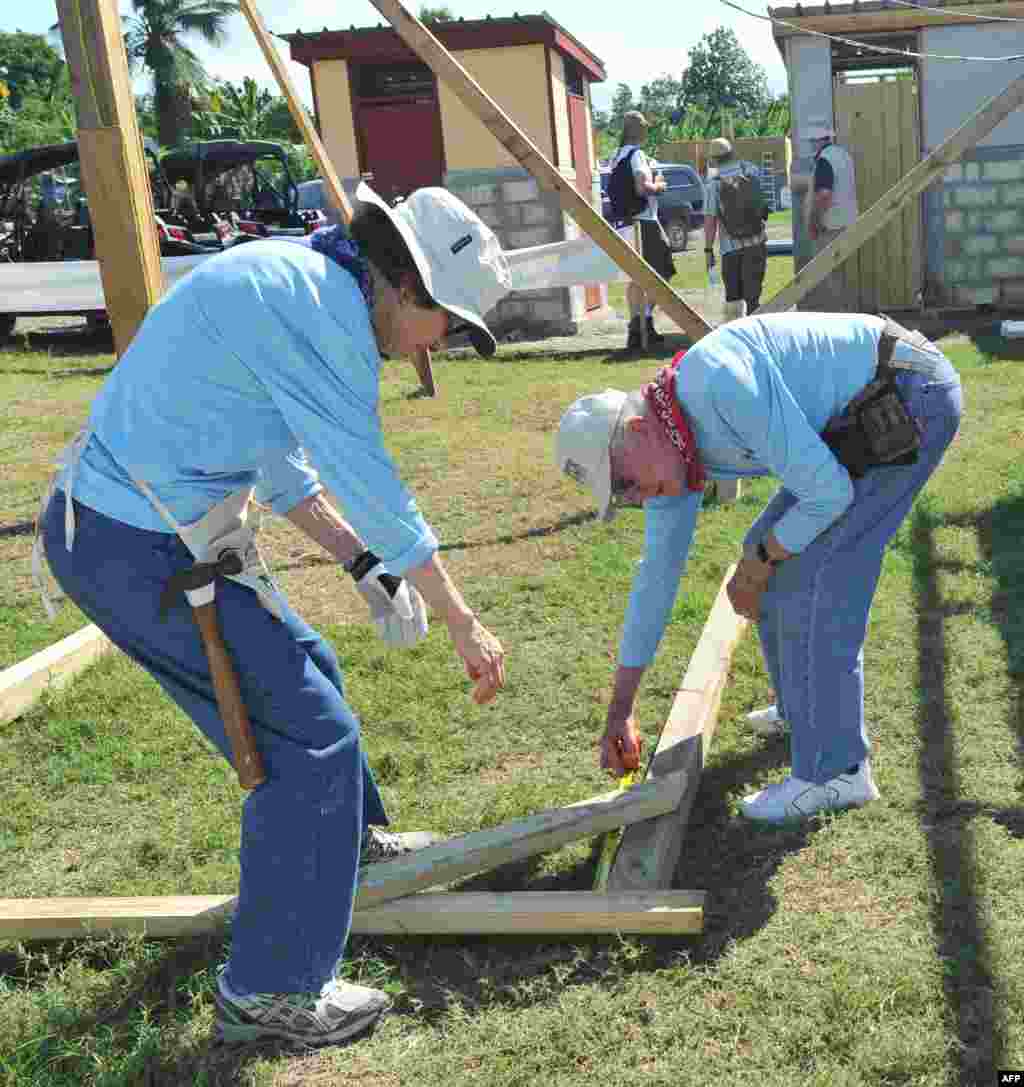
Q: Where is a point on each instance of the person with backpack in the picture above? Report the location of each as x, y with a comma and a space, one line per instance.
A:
633, 188
735, 211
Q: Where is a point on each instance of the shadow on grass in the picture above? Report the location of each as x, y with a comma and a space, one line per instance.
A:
974, 993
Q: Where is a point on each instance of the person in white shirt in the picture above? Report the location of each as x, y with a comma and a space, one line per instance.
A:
655, 247
831, 209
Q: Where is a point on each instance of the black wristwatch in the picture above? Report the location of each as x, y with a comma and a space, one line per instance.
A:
762, 554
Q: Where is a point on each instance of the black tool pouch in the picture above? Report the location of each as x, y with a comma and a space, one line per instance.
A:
876, 428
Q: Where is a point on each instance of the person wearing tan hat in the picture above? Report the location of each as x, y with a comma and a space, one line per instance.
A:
785, 395
744, 247
655, 248
258, 375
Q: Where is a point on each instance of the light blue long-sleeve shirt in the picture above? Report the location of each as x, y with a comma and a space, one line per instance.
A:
260, 368
757, 392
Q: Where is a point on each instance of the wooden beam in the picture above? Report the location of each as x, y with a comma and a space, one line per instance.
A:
22, 684
434, 913
421, 359
529, 156
649, 851
929, 170
515, 841
113, 165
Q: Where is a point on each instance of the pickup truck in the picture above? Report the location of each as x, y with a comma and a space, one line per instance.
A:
680, 206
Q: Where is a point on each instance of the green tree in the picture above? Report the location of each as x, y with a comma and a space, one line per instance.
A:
29, 65
155, 38
722, 77
240, 111
622, 103
436, 15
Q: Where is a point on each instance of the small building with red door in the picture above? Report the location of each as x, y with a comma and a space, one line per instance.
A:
381, 111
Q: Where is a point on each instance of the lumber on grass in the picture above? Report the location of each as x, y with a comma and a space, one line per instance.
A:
113, 165
530, 157
929, 170
22, 684
433, 913
514, 841
421, 359
649, 851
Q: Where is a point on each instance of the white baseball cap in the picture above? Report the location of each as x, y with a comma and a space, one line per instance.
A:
819, 130
583, 445
458, 256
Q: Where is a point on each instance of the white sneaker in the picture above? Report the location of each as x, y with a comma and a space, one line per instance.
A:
768, 722
795, 798
340, 1011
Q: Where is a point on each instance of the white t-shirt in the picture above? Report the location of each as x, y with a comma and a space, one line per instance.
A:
642, 171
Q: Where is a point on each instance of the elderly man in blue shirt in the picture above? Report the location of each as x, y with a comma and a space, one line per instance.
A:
852, 414
258, 373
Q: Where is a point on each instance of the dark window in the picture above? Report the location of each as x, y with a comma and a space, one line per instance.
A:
573, 78
394, 80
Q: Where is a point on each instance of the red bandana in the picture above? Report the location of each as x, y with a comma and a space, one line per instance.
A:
660, 394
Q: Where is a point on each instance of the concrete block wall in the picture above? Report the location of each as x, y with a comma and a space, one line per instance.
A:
513, 205
982, 226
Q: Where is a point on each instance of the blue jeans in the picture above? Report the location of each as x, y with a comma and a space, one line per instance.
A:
814, 613
301, 829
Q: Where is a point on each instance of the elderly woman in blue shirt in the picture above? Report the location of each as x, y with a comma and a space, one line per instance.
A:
259, 372
753, 398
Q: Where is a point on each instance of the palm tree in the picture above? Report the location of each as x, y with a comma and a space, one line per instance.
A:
154, 38
242, 111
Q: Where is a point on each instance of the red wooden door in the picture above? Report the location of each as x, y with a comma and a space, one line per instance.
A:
401, 146
584, 174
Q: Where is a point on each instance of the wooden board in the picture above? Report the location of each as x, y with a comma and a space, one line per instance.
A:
113, 166
516, 840
22, 684
529, 156
649, 851
929, 170
434, 913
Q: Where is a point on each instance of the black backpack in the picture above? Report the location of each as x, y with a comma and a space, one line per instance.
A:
622, 197
741, 205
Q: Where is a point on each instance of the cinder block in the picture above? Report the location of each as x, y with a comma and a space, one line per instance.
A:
1002, 221
535, 214
511, 308
954, 220
477, 194
1008, 170
523, 239
979, 244
1005, 267
520, 191
976, 196
973, 296
491, 215
1012, 194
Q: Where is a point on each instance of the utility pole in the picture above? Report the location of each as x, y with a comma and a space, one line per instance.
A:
113, 165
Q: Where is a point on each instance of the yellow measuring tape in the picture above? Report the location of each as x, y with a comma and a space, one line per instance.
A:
610, 842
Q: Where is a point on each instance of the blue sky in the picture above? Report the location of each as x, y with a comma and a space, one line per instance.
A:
655, 45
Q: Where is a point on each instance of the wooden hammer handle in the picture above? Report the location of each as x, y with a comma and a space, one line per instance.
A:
245, 753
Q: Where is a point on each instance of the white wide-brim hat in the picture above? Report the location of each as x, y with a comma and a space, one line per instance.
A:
458, 256
583, 445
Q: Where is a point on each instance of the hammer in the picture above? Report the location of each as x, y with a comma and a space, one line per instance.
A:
421, 360
198, 584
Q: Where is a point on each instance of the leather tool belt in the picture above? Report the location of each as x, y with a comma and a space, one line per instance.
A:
876, 428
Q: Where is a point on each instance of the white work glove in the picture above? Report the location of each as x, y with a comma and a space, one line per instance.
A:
397, 609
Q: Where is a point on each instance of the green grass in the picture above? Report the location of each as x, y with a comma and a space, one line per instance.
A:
878, 948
